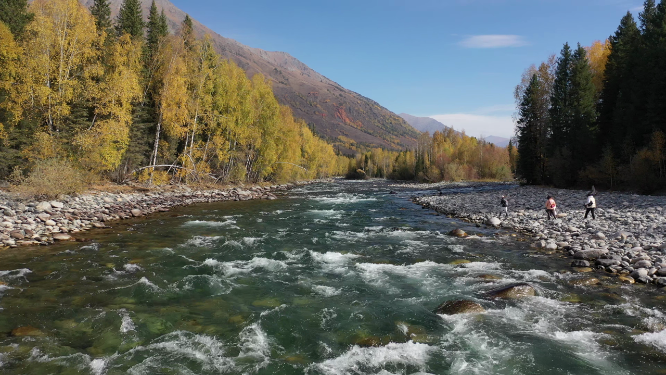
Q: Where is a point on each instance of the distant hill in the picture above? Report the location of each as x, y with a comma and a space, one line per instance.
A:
423, 124
430, 125
337, 114
497, 141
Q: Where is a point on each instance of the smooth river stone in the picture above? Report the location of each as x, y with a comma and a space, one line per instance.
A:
459, 307
513, 291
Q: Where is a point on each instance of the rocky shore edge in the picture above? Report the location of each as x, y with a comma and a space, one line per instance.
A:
30, 222
627, 239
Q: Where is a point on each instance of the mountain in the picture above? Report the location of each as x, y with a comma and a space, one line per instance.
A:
336, 114
428, 124
423, 124
497, 141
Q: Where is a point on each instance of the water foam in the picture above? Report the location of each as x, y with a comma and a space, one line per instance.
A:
656, 339
206, 223
359, 360
326, 291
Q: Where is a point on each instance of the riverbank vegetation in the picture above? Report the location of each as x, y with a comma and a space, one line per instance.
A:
445, 156
596, 115
124, 99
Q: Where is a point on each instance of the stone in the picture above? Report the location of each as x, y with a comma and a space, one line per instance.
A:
600, 236
17, 234
585, 282
43, 216
9, 212
513, 291
661, 272
607, 262
62, 237
495, 222
551, 246
580, 263
27, 331
643, 264
56, 204
591, 254
639, 273
626, 279
660, 281
459, 307
43, 206
50, 223
136, 212
458, 233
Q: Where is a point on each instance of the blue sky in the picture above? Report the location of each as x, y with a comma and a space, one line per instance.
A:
455, 60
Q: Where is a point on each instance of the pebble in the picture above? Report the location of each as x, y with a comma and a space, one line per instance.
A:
628, 236
24, 223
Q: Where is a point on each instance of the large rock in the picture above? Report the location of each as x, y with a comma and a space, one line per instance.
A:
458, 233
643, 264
495, 222
661, 272
592, 254
56, 204
136, 212
17, 234
513, 291
459, 307
607, 262
43, 206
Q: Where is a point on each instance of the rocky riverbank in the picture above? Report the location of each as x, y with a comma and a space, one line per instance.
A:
26, 222
627, 238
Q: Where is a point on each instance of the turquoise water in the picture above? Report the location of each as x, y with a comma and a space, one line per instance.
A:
337, 278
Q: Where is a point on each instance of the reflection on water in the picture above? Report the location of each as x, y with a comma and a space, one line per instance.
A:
331, 279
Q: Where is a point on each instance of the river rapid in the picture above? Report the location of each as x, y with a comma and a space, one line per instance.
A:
332, 278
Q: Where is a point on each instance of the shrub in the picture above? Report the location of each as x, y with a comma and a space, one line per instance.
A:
51, 178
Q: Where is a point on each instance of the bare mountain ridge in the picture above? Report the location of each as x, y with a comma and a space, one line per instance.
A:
337, 114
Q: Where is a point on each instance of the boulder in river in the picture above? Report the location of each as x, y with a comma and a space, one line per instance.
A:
26, 331
62, 237
493, 221
458, 233
513, 291
459, 307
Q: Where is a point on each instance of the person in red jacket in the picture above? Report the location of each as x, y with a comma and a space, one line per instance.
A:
551, 206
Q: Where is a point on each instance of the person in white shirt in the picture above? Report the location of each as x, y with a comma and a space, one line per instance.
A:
590, 205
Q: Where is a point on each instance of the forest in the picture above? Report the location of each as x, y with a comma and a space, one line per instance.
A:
86, 98
597, 115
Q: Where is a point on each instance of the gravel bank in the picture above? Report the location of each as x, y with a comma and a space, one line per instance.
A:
25, 223
627, 238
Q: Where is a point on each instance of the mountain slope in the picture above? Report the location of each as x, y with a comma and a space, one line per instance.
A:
337, 114
423, 124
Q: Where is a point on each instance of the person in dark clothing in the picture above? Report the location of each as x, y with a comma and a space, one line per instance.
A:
505, 206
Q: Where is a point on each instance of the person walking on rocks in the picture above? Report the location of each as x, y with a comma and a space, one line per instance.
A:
590, 205
551, 206
505, 206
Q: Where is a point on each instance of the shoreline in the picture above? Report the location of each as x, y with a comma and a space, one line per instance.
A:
627, 239
34, 222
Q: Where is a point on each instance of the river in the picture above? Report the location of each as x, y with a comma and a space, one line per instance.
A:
332, 278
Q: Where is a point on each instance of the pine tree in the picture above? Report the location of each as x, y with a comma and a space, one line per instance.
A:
529, 131
101, 10
618, 78
583, 111
157, 29
560, 116
187, 31
130, 19
14, 13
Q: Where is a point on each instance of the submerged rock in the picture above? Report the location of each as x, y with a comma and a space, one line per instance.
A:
513, 291
458, 233
27, 331
459, 307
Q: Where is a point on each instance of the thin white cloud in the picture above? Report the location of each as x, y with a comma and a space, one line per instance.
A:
493, 41
637, 9
500, 108
478, 125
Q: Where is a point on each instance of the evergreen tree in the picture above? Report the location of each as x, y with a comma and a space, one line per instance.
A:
101, 10
582, 103
560, 116
14, 13
187, 31
157, 29
618, 78
130, 19
529, 131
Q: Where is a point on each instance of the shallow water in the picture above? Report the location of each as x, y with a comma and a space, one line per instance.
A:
330, 279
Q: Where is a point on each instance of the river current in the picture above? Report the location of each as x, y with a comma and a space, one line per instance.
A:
332, 278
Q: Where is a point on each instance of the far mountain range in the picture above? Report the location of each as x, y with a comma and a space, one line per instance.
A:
430, 125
